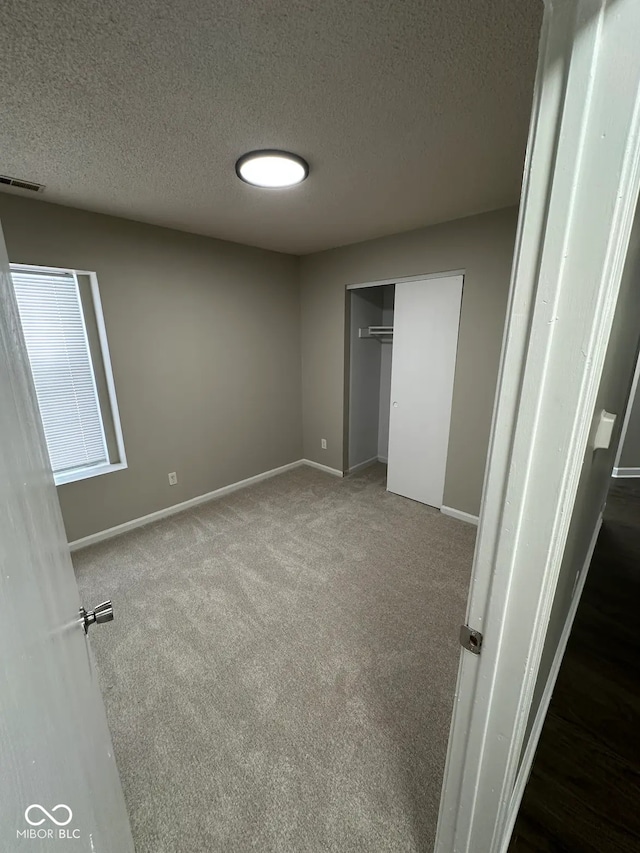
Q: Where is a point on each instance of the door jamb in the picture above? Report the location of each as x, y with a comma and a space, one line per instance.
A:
582, 176
400, 279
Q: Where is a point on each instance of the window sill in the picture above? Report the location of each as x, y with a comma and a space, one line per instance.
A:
86, 473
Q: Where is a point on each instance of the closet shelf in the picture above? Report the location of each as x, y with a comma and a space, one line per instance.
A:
376, 332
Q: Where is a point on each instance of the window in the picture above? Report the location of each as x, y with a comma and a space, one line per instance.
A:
63, 327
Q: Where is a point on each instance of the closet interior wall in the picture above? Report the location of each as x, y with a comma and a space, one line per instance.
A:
369, 376
386, 355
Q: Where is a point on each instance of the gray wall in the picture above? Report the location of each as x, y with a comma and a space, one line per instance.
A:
205, 348
482, 246
205, 341
596, 472
364, 376
630, 456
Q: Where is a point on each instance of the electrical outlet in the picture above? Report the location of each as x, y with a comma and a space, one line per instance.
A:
173, 478
323, 443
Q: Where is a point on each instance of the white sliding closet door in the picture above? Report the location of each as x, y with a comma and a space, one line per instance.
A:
425, 340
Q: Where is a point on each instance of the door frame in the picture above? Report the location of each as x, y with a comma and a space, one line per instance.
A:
581, 182
347, 342
400, 279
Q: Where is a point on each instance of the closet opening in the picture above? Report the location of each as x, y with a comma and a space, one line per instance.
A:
402, 339
370, 345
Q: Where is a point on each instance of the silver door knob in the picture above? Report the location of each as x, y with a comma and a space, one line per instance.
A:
102, 613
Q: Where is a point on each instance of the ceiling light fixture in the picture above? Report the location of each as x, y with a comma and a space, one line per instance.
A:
272, 169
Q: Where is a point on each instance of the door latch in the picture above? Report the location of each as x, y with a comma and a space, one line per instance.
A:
470, 639
102, 613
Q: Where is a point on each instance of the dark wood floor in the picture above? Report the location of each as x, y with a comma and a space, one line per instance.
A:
583, 795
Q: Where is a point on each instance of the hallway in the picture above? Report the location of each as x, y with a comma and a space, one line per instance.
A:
584, 790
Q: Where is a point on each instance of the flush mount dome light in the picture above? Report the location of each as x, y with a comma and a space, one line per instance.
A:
272, 169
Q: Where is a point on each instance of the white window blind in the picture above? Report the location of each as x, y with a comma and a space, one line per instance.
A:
56, 338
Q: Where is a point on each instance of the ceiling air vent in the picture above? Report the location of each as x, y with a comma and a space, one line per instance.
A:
21, 185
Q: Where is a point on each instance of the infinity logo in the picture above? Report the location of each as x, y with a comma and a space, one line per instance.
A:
48, 814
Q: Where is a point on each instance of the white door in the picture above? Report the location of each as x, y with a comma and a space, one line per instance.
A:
425, 341
59, 786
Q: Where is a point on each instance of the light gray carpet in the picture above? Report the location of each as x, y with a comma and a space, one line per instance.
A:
281, 671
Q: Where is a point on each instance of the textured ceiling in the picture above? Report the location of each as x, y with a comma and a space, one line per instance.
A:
408, 112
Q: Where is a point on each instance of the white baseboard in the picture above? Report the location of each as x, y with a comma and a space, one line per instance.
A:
383, 459
180, 507
459, 514
626, 472
320, 467
530, 749
361, 465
